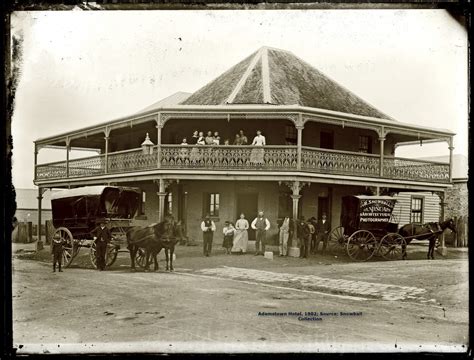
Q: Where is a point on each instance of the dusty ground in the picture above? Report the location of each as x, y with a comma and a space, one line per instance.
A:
213, 304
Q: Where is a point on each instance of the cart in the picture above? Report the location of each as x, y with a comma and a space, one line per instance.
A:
367, 229
77, 212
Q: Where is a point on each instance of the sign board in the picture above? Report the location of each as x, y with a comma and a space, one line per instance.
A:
376, 210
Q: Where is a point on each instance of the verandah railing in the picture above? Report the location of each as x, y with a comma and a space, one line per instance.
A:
268, 158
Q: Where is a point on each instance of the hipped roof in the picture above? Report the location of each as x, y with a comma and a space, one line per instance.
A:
277, 77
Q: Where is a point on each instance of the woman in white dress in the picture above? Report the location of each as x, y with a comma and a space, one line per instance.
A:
257, 154
241, 236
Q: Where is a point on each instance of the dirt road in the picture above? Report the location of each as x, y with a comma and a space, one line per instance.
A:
233, 305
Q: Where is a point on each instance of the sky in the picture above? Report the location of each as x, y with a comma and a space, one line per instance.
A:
81, 68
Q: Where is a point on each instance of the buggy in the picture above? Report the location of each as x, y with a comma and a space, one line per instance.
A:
77, 213
367, 228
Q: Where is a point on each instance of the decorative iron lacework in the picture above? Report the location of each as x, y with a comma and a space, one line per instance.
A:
51, 171
273, 158
321, 161
85, 167
415, 170
132, 160
228, 157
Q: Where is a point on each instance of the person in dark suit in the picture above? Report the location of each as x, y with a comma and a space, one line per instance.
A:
103, 237
208, 227
313, 221
323, 229
304, 234
57, 251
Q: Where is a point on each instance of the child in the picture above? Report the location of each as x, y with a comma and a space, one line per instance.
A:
57, 251
228, 232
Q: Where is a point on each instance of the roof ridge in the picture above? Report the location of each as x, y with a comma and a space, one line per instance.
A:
267, 95
244, 77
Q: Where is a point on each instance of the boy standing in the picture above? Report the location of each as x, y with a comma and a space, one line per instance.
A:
57, 251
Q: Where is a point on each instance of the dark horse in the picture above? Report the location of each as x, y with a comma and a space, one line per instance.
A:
152, 239
429, 231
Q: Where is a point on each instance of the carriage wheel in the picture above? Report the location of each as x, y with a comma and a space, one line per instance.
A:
337, 240
391, 246
361, 245
140, 258
68, 248
110, 255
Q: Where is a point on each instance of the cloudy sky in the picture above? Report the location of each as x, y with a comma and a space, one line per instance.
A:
81, 68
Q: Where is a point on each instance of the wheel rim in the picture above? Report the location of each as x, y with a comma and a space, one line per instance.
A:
110, 255
361, 245
337, 239
391, 246
65, 236
140, 258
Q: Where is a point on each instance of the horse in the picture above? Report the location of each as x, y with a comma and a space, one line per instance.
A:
169, 234
152, 239
429, 231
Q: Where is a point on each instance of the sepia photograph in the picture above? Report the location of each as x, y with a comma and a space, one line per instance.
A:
240, 181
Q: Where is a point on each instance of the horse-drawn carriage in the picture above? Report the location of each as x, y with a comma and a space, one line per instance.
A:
367, 228
78, 212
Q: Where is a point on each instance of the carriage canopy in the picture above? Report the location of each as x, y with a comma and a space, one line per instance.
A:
84, 207
364, 212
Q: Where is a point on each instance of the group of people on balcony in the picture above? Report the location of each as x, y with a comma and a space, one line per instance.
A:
310, 233
213, 138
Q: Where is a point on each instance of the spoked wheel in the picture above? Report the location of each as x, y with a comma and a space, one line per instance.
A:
65, 236
110, 255
141, 258
337, 240
391, 246
361, 245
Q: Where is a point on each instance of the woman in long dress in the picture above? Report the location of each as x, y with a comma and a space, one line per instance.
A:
195, 155
241, 236
257, 154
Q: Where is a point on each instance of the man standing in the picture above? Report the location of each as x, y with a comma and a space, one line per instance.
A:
284, 235
208, 227
103, 237
323, 230
261, 225
304, 234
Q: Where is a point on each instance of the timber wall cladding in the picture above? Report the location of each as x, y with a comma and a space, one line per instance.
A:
431, 207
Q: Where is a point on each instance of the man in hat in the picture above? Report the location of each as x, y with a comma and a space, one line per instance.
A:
208, 227
304, 234
261, 225
103, 237
323, 228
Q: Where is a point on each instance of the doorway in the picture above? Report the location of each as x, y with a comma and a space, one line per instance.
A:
247, 203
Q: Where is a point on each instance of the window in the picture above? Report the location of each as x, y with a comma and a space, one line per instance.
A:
416, 210
291, 135
326, 140
211, 204
365, 144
